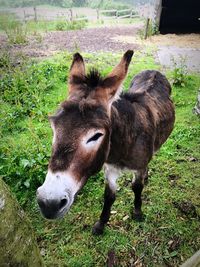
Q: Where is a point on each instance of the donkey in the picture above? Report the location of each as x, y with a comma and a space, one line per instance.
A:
98, 125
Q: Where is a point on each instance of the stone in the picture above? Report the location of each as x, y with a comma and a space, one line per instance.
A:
18, 245
196, 109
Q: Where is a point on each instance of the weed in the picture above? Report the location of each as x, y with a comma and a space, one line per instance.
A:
17, 34
152, 30
70, 25
38, 36
76, 25
180, 72
61, 25
16, 31
107, 4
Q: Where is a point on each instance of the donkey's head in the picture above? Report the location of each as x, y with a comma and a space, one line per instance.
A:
81, 135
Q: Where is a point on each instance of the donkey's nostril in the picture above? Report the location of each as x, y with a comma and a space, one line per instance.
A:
63, 203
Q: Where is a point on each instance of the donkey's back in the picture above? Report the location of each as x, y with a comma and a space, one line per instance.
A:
151, 81
156, 91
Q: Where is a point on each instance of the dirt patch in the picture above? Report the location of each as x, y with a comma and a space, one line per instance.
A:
187, 208
174, 243
111, 260
173, 177
86, 40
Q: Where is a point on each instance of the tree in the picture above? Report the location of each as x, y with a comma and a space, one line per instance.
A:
79, 3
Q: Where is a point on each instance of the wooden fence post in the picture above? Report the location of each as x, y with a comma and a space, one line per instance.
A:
131, 15
71, 14
146, 28
24, 16
35, 14
97, 14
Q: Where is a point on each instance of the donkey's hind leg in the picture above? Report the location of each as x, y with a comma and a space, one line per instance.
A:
137, 186
111, 175
146, 176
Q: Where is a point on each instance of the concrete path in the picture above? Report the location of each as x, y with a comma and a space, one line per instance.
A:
190, 57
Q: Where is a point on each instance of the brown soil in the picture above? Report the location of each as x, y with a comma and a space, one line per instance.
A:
86, 40
187, 208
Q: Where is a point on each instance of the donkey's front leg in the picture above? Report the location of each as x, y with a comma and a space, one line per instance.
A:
111, 175
137, 186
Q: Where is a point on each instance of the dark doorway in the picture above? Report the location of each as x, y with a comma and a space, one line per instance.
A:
180, 16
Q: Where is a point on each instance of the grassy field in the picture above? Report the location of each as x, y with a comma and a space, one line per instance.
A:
18, 32
170, 232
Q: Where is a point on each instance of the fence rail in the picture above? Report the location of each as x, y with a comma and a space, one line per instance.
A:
130, 13
70, 15
124, 10
108, 10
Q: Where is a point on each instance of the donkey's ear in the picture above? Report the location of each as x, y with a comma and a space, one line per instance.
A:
114, 80
77, 72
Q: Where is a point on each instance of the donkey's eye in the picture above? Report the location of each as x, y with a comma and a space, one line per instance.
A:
94, 137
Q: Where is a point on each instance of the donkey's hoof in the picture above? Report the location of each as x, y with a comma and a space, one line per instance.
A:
98, 228
138, 217
146, 180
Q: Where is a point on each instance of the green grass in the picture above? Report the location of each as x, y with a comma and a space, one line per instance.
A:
114, 22
56, 25
166, 237
18, 33
16, 30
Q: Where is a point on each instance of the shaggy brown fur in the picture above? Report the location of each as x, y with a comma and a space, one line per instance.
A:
132, 128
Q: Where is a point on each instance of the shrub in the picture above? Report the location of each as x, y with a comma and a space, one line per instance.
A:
79, 3
179, 73
108, 4
70, 25
25, 85
76, 25
16, 32
152, 30
25, 90
61, 25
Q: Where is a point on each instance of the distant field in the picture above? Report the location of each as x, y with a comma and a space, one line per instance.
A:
45, 12
50, 12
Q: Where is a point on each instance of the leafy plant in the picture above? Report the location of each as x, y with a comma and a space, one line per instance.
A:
180, 72
106, 4
70, 25
151, 30
16, 31
61, 25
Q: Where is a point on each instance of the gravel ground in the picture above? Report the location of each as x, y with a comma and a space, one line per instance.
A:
190, 57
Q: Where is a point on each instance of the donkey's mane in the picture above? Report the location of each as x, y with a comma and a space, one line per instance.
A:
93, 78
133, 97
89, 81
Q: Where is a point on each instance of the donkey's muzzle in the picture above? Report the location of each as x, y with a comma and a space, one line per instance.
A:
53, 208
